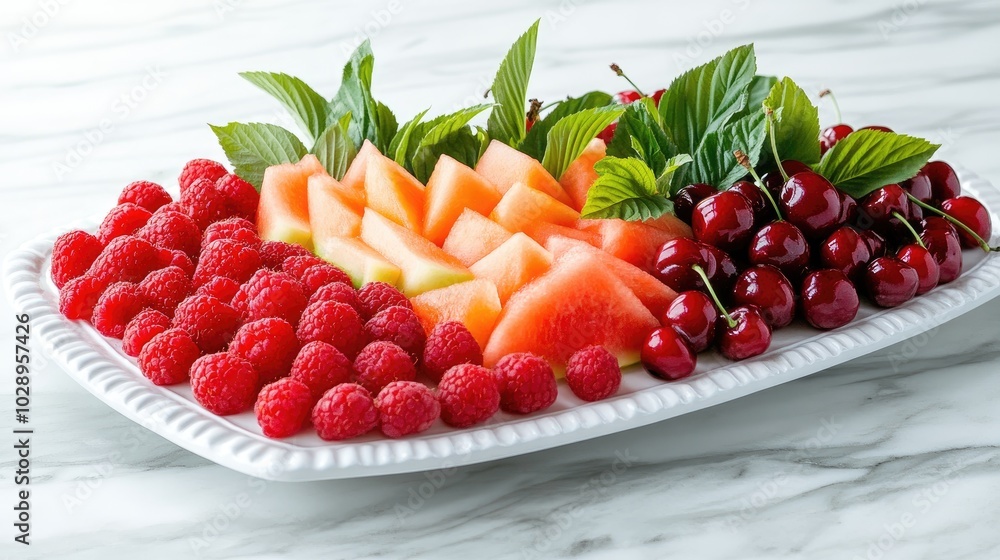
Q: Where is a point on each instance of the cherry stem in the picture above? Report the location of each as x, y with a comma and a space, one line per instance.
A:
711, 291
618, 71
905, 222
550, 105
836, 106
982, 242
771, 131
744, 160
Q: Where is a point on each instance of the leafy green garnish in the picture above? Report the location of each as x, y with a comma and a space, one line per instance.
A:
464, 144
253, 147
570, 136
796, 122
309, 109
626, 188
760, 88
715, 163
869, 159
510, 89
535, 141
334, 148
370, 120
640, 135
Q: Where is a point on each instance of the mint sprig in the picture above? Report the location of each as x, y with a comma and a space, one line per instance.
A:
309, 109
796, 120
640, 134
869, 159
253, 147
627, 189
570, 136
335, 149
510, 89
715, 164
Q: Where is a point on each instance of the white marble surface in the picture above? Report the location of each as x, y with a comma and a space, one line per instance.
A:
891, 456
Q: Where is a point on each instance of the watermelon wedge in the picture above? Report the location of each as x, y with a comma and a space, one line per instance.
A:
636, 242
391, 191
504, 166
473, 237
580, 174
522, 206
515, 263
283, 211
453, 187
334, 210
475, 304
362, 263
543, 231
354, 178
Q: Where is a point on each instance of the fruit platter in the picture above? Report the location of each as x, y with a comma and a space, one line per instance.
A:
366, 296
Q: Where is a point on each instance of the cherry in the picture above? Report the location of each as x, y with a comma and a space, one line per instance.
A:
657, 95
947, 251
724, 220
829, 299
845, 250
627, 96
743, 334
810, 202
937, 222
608, 133
692, 314
782, 245
688, 197
876, 127
674, 261
973, 215
666, 355
920, 188
876, 243
890, 282
832, 135
725, 271
762, 210
881, 209
928, 271
944, 180
767, 289
848, 209
774, 181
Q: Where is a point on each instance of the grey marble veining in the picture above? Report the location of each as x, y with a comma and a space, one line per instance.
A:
894, 455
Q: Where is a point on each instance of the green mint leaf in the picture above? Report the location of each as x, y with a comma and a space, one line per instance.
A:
639, 134
253, 147
463, 144
869, 159
334, 148
308, 108
760, 88
796, 122
570, 136
703, 100
385, 126
448, 124
670, 168
536, 139
510, 89
715, 163
399, 148
355, 97
625, 188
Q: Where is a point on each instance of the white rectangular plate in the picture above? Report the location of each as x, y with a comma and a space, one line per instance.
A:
236, 442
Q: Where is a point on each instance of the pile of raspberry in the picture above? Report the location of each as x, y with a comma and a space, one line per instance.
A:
197, 297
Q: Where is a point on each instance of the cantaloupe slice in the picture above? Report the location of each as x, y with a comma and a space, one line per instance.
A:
541, 232
354, 178
515, 263
391, 191
453, 187
423, 265
580, 174
362, 263
473, 303
522, 206
334, 210
473, 237
504, 166
283, 211
636, 242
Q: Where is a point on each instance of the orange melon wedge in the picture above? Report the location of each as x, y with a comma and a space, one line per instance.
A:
334, 210
453, 187
391, 191
511, 265
580, 175
475, 304
473, 237
283, 211
504, 166
522, 206
354, 178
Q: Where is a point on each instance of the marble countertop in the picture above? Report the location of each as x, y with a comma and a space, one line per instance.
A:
895, 455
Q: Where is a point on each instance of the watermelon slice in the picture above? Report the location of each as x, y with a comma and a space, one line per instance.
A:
283, 211
504, 166
362, 263
473, 237
391, 191
354, 178
473, 303
580, 174
453, 187
515, 263
543, 231
334, 210
636, 242
522, 206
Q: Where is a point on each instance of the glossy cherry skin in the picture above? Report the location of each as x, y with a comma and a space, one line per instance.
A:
973, 215
829, 299
751, 336
810, 202
845, 250
723, 220
692, 314
878, 210
876, 127
657, 95
947, 251
848, 209
832, 135
773, 179
944, 180
928, 271
724, 273
937, 222
627, 96
674, 261
762, 210
920, 187
666, 355
782, 245
890, 282
688, 197
876, 243
767, 289
608, 133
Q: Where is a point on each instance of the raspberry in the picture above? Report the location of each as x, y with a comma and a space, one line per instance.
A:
228, 258
220, 287
406, 407
269, 345
241, 198
203, 202
211, 323
236, 229
72, 255
282, 407
124, 219
468, 394
125, 259
174, 206
345, 412
270, 294
593, 373
145, 194
449, 345
223, 383
526, 383
381, 363
317, 276
274, 253
118, 305
165, 289
200, 169
400, 326
376, 296
322, 367
79, 296
167, 358
141, 329
334, 323
181, 261
172, 230
298, 264
340, 293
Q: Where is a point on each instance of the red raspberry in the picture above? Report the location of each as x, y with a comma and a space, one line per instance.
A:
282, 407
269, 345
125, 259
118, 305
449, 345
469, 395
221, 288
322, 367
297, 265
400, 326
204, 203
181, 261
270, 294
338, 292
241, 197
72, 255
376, 296
223, 383
335, 323
236, 229
211, 323
172, 230
406, 407
146, 194
381, 363
228, 258
526, 383
274, 253
593, 373
79, 296
141, 329
167, 358
200, 169
174, 206
165, 289
345, 412
124, 219
317, 276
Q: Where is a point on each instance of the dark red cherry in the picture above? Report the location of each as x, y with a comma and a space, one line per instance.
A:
723, 220
973, 215
878, 210
666, 355
944, 180
773, 179
608, 133
845, 250
848, 209
688, 197
937, 222
749, 336
692, 314
832, 135
810, 202
657, 95
627, 96
767, 289
674, 261
762, 210
724, 273
877, 128
920, 187
829, 299
947, 251
876, 243
890, 282
928, 271
782, 245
